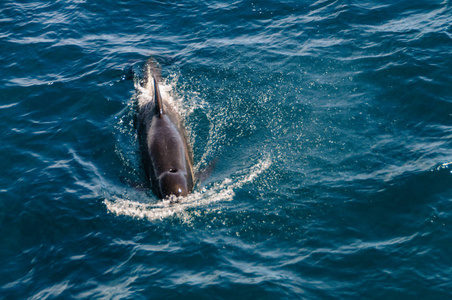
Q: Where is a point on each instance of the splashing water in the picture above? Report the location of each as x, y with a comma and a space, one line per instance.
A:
178, 207
223, 191
145, 92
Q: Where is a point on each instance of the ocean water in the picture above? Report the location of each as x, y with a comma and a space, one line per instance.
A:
331, 125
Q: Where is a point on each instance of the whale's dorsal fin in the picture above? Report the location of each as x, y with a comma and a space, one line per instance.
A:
157, 99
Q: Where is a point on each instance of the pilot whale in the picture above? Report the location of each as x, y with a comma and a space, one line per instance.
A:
166, 155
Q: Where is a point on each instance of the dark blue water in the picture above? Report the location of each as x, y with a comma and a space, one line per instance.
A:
331, 122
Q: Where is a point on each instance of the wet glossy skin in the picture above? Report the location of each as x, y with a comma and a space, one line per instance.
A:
165, 153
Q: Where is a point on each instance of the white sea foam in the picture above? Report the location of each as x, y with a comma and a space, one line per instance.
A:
145, 93
134, 206
222, 191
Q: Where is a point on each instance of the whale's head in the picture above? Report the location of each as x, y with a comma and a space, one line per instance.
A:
173, 182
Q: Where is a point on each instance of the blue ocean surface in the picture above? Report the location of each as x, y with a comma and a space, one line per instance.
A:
330, 122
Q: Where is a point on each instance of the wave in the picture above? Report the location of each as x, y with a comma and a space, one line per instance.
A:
221, 191
189, 105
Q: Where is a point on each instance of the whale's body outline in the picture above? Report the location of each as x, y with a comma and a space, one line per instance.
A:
165, 153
